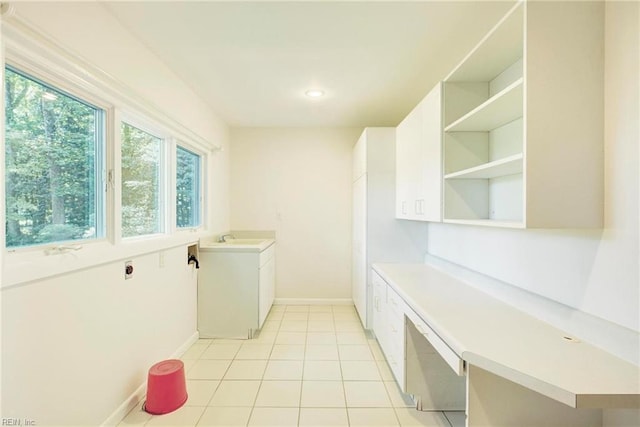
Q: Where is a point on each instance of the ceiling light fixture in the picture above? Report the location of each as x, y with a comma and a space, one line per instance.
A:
314, 93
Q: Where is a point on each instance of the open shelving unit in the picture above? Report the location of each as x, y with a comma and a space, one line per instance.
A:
502, 108
483, 132
511, 165
518, 149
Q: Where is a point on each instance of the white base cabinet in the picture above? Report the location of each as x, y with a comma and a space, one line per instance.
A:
389, 327
235, 292
421, 363
465, 349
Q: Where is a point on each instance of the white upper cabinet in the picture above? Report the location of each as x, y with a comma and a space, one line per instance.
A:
523, 121
418, 161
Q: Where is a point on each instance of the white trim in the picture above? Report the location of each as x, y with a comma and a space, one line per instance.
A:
29, 266
313, 301
165, 167
202, 168
114, 178
170, 182
25, 41
138, 395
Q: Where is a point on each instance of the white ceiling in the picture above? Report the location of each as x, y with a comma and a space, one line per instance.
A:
253, 61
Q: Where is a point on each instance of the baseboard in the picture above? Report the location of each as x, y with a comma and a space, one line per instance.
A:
184, 347
313, 301
138, 395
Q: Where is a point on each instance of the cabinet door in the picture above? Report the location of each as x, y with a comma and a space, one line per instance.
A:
407, 165
266, 289
419, 160
395, 351
359, 255
379, 309
431, 156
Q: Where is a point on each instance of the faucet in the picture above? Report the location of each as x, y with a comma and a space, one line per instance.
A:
223, 238
193, 260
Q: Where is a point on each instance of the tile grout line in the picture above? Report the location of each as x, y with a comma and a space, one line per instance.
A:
304, 362
344, 390
305, 345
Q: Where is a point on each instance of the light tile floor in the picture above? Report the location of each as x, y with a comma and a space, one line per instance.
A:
308, 366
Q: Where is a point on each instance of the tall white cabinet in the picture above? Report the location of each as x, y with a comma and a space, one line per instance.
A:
377, 235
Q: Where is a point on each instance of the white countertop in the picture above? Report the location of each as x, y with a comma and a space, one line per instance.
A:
237, 245
494, 336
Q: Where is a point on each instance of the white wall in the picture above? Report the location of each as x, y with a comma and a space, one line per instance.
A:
298, 183
76, 346
595, 271
88, 31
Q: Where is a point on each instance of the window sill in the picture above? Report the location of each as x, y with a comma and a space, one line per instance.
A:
25, 266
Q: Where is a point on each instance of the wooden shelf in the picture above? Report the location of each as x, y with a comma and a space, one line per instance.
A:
498, 110
508, 166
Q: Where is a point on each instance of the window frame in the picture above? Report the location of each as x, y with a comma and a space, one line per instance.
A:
141, 123
45, 77
32, 53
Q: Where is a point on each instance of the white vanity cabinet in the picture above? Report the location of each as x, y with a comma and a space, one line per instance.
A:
236, 287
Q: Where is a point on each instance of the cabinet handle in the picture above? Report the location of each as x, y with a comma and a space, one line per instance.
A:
404, 207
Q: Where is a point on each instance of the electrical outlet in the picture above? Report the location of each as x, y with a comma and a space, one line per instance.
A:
161, 259
128, 270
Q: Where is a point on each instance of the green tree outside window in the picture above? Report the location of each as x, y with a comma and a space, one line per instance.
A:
53, 153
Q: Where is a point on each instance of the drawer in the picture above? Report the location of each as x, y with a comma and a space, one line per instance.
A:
397, 306
378, 282
449, 356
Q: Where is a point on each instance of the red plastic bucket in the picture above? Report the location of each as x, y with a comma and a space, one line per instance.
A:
166, 387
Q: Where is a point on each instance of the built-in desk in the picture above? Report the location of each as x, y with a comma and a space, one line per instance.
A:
520, 371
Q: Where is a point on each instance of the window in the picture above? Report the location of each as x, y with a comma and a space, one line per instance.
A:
187, 188
142, 190
54, 155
